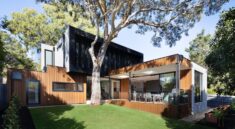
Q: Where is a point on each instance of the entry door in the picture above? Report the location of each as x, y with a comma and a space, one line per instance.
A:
116, 89
33, 92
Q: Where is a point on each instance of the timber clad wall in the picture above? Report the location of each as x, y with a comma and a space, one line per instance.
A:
80, 61
124, 88
47, 96
152, 63
157, 108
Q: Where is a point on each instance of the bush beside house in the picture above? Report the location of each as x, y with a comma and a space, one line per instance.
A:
11, 116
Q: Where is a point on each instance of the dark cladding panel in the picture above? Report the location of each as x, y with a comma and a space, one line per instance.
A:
116, 56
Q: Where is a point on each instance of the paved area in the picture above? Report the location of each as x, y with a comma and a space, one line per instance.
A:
197, 117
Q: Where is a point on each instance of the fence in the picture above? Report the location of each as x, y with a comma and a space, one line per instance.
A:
3, 96
215, 101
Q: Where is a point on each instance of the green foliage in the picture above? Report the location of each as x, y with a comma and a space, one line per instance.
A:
27, 29
233, 106
2, 54
199, 48
211, 91
14, 54
11, 117
32, 28
63, 13
218, 113
221, 58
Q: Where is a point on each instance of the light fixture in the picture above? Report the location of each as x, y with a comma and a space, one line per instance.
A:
123, 76
148, 72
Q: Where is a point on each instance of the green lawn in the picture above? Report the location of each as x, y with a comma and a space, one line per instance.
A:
102, 117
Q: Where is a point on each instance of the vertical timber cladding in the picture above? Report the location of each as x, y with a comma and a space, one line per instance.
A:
124, 86
47, 95
116, 56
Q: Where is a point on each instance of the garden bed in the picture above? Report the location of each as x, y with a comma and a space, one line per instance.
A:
223, 117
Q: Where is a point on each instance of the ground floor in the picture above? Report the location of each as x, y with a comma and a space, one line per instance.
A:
163, 85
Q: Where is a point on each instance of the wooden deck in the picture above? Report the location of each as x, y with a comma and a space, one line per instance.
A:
159, 108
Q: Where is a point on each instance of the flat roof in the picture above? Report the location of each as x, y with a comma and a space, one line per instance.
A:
168, 60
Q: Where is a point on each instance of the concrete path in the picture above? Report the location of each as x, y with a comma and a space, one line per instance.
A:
196, 117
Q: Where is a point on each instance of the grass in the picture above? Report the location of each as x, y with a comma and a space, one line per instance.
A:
103, 117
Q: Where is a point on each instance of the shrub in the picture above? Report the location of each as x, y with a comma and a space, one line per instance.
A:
233, 106
218, 113
11, 115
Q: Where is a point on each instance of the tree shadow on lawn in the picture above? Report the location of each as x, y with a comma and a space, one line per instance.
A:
179, 124
52, 118
175, 123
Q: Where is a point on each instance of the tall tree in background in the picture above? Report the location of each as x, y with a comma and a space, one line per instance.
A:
25, 30
12, 54
167, 19
33, 28
2, 54
222, 55
199, 48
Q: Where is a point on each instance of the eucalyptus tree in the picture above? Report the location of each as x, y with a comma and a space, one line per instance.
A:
166, 19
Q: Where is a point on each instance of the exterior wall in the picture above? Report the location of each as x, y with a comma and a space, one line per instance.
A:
59, 53
124, 89
80, 61
47, 95
186, 80
200, 106
169, 60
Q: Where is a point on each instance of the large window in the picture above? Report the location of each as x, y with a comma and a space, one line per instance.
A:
48, 57
33, 91
167, 81
198, 86
61, 86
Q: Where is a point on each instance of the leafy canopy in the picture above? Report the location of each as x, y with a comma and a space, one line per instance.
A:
199, 48
167, 19
25, 30
221, 58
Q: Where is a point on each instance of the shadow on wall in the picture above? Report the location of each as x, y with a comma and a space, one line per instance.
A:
55, 118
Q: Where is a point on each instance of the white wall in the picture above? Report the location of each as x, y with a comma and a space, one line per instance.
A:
199, 106
43, 48
59, 53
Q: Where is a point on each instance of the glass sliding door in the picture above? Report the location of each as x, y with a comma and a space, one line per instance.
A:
115, 89
33, 92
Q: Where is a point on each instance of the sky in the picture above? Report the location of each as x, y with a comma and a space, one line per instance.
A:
128, 38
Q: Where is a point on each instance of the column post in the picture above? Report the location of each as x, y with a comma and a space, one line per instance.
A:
129, 87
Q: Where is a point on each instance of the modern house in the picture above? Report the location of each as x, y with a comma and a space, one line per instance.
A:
172, 86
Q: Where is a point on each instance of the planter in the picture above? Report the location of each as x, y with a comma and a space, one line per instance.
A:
210, 118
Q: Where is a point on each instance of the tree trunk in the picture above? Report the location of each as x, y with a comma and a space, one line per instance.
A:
96, 91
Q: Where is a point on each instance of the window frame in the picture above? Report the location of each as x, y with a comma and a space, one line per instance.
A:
27, 92
160, 75
78, 83
52, 58
201, 86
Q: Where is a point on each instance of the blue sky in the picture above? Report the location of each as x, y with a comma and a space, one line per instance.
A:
128, 37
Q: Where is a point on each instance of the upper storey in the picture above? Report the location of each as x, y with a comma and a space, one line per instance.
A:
72, 53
